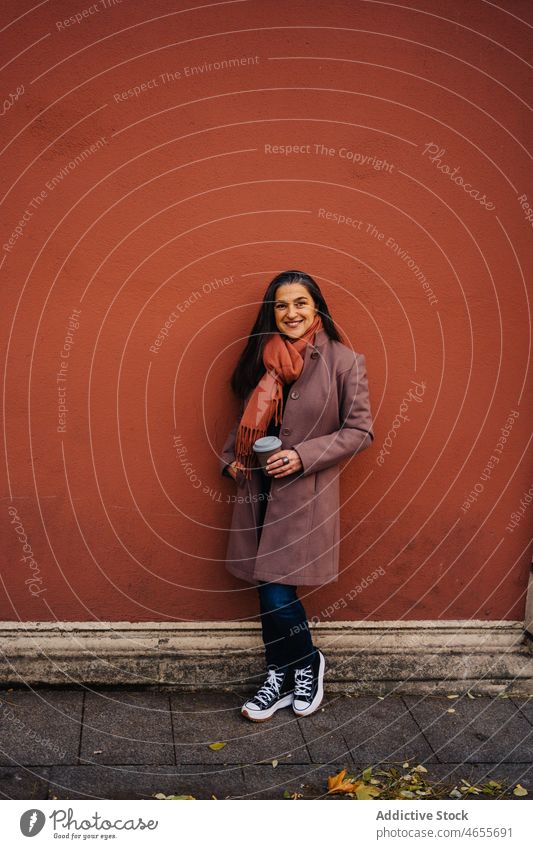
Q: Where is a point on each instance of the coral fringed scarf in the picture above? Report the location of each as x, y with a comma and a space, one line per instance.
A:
283, 359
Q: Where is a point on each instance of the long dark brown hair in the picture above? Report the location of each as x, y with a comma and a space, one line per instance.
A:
250, 367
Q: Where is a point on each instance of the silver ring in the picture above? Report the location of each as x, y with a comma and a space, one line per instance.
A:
285, 461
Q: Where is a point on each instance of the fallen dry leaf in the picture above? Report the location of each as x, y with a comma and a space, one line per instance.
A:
287, 794
366, 792
162, 796
339, 784
519, 790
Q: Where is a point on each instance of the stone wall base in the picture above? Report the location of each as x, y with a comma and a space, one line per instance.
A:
483, 657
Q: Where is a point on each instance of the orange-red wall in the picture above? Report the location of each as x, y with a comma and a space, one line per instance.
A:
181, 192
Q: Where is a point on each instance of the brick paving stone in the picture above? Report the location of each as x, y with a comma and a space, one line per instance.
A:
127, 727
40, 726
379, 730
485, 729
325, 740
199, 719
143, 782
24, 783
265, 782
525, 705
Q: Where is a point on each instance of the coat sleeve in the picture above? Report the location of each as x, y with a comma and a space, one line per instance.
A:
355, 433
227, 455
228, 451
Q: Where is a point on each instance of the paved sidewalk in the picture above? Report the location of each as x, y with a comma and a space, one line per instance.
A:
120, 743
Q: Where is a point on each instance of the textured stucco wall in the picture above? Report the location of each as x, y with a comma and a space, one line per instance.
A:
135, 188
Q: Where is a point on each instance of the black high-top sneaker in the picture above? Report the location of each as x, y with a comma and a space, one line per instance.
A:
309, 686
275, 693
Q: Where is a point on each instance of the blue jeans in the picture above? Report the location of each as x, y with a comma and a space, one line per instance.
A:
286, 634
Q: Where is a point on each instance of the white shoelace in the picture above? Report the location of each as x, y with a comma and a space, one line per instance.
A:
303, 681
270, 687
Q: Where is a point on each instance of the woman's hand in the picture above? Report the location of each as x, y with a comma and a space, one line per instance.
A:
232, 469
278, 469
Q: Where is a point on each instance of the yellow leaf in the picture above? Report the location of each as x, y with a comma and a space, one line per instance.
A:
366, 792
519, 790
406, 764
274, 763
335, 780
216, 746
162, 796
339, 784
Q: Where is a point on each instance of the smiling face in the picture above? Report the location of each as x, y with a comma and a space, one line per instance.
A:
294, 309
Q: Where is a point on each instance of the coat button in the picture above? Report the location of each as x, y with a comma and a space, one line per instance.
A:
314, 355
295, 394
286, 431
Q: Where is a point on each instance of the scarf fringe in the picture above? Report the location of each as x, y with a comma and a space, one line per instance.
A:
246, 436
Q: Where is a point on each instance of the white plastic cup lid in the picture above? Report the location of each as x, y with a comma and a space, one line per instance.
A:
266, 443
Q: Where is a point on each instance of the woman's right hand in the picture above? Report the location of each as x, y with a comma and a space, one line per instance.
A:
232, 469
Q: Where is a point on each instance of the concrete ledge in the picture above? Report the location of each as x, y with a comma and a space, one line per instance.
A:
368, 657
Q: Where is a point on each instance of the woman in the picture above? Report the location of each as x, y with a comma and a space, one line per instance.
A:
297, 379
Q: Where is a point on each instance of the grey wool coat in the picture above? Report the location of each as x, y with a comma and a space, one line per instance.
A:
326, 419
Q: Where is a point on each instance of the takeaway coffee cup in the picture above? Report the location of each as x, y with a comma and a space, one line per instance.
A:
265, 447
